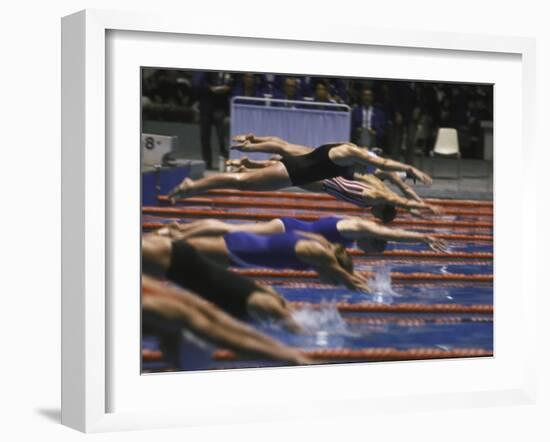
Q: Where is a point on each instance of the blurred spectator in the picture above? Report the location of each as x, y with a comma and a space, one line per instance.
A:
213, 90
247, 85
404, 97
402, 117
167, 95
338, 90
321, 95
367, 121
267, 84
289, 91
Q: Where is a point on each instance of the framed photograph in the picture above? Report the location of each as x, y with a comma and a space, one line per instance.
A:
322, 219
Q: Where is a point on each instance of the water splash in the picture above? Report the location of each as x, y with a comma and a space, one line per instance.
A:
380, 284
434, 293
326, 320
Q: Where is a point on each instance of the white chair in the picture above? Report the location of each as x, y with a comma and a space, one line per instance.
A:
446, 146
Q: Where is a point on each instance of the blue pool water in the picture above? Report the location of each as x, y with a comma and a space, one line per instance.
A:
325, 327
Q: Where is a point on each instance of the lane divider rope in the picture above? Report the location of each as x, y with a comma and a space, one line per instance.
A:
395, 276
416, 321
302, 205
373, 354
325, 197
212, 213
374, 307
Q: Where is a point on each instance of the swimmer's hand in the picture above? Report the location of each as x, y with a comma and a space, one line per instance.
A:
436, 210
301, 359
416, 213
423, 177
437, 244
359, 282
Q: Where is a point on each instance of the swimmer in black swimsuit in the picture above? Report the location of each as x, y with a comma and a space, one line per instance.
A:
327, 161
365, 189
294, 250
167, 310
180, 263
369, 236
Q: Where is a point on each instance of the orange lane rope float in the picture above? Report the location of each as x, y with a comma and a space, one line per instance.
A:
311, 284
373, 354
212, 213
326, 197
151, 355
395, 276
425, 254
373, 307
416, 321
303, 205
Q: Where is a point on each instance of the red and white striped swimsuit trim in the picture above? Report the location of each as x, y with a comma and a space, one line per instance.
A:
346, 190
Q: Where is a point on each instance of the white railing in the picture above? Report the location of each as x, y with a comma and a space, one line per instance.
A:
306, 122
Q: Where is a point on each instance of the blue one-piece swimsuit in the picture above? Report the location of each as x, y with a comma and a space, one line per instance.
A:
326, 227
272, 251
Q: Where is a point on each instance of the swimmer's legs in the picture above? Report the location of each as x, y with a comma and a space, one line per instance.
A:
273, 177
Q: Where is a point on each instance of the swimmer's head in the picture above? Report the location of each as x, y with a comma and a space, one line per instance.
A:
372, 245
345, 261
343, 258
384, 212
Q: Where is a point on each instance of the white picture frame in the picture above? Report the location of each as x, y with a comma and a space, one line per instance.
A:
89, 171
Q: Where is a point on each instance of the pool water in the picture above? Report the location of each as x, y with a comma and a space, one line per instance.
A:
325, 327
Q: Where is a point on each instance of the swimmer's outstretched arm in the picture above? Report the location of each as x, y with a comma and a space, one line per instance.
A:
410, 204
210, 323
362, 156
398, 235
403, 187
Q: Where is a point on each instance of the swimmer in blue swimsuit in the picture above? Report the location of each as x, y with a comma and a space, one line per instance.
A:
241, 297
293, 250
369, 236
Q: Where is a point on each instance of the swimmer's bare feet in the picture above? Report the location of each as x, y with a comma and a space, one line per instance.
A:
238, 162
243, 137
244, 146
182, 190
239, 165
233, 163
